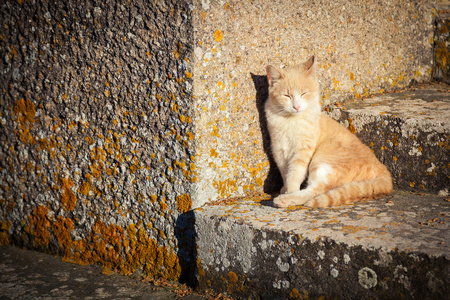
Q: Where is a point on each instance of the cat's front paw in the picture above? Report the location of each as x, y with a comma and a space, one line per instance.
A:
291, 199
283, 201
283, 190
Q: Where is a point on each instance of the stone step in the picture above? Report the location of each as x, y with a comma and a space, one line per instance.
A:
390, 248
408, 131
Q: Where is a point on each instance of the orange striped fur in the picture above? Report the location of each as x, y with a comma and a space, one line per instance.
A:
308, 144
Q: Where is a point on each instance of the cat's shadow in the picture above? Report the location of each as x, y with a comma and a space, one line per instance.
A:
273, 182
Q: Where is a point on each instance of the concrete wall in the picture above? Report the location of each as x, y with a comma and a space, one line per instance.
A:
361, 49
117, 118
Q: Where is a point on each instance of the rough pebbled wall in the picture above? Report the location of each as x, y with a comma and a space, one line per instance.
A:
96, 130
441, 69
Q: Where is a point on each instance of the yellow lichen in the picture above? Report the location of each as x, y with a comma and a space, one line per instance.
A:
84, 188
218, 35
38, 228
13, 53
4, 232
294, 293
176, 53
225, 187
350, 126
213, 153
25, 112
68, 198
88, 140
232, 277
157, 261
163, 205
62, 228
352, 229
184, 203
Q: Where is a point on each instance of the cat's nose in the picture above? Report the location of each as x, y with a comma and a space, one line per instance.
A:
296, 107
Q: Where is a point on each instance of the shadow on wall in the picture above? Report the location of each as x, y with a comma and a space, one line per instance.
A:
273, 182
187, 254
185, 223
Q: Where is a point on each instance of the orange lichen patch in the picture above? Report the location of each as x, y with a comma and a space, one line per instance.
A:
352, 229
234, 284
352, 76
88, 140
176, 53
232, 277
184, 203
156, 260
39, 225
350, 126
106, 246
25, 112
190, 173
96, 169
4, 232
163, 204
84, 188
213, 153
98, 154
218, 35
215, 131
200, 269
68, 198
225, 187
258, 170
62, 228
13, 53
294, 294
332, 221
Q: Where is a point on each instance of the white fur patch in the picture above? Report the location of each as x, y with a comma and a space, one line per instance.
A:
322, 172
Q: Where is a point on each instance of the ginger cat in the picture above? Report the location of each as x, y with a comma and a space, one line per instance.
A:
307, 143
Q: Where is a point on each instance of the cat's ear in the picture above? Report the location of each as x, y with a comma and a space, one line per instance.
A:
310, 66
273, 74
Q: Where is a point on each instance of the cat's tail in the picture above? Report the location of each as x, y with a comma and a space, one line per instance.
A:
352, 192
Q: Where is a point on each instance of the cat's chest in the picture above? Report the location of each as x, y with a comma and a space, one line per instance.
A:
290, 135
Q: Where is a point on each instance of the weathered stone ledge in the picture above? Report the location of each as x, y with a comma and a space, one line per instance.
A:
388, 248
408, 131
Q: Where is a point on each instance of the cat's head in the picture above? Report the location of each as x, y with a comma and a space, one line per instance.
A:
294, 90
